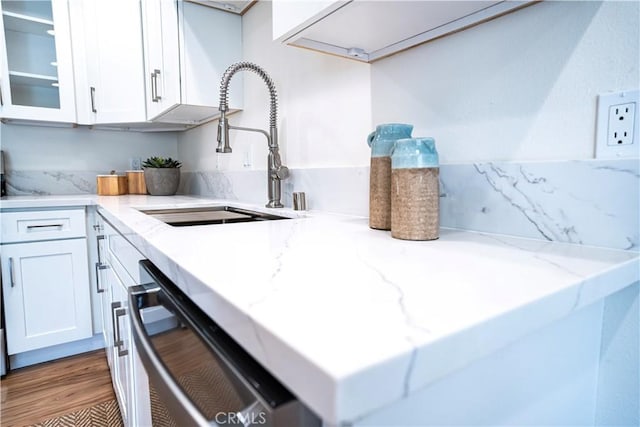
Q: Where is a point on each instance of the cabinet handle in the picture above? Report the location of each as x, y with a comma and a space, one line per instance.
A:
99, 267
153, 87
114, 306
93, 100
44, 227
12, 277
158, 97
97, 227
1, 101
155, 97
119, 312
98, 239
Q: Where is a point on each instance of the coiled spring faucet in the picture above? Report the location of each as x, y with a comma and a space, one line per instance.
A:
276, 171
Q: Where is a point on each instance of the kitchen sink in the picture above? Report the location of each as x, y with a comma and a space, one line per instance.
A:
184, 217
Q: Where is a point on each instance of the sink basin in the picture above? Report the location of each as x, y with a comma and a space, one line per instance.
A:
183, 217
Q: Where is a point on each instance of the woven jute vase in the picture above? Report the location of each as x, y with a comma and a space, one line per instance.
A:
382, 141
415, 204
380, 193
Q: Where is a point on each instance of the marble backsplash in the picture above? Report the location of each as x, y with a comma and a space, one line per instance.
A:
591, 202
26, 183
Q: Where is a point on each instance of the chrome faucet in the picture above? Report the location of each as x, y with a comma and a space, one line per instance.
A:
276, 171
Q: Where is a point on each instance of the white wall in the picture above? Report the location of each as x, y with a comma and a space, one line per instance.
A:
521, 87
324, 108
36, 148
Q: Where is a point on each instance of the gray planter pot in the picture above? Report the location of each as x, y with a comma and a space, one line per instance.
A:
162, 181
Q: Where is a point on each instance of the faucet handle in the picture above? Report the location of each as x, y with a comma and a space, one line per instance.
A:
281, 172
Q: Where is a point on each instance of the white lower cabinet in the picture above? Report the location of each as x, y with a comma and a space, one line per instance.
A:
117, 261
46, 293
45, 281
120, 345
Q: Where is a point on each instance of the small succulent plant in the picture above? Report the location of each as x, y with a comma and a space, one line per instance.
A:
161, 162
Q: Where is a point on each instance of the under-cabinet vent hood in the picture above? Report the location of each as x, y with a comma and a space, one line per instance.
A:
367, 30
233, 6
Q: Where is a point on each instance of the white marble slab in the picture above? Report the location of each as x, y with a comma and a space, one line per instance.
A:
28, 202
591, 202
23, 183
334, 309
339, 190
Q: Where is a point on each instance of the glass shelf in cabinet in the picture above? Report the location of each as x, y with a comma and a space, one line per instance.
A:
27, 24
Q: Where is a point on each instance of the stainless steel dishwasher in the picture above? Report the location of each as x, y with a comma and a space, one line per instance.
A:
198, 375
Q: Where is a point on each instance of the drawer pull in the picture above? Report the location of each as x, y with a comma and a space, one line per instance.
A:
114, 305
99, 238
119, 343
12, 277
99, 266
44, 227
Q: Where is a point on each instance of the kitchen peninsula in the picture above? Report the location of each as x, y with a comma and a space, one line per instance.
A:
366, 329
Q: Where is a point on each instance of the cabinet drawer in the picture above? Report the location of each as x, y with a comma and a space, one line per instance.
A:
126, 258
29, 226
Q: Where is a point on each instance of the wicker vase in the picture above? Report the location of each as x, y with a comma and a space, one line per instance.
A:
415, 196
381, 142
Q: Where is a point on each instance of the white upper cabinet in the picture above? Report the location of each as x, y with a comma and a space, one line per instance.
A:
107, 45
187, 49
36, 65
367, 30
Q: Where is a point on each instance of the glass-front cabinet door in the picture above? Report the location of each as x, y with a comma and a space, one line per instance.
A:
36, 67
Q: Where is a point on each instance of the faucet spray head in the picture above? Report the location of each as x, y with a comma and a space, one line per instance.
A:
223, 135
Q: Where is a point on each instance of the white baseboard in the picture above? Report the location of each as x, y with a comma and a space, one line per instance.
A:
33, 357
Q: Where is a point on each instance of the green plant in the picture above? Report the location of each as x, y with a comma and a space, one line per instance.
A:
161, 162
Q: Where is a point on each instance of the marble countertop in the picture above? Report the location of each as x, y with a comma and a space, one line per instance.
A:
352, 320
27, 202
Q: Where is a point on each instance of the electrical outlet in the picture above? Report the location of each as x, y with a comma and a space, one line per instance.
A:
617, 129
621, 121
247, 157
135, 164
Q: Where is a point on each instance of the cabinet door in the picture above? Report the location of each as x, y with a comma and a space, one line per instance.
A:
162, 63
120, 345
114, 89
46, 293
36, 62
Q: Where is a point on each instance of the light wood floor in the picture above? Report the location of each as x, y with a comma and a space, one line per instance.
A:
37, 393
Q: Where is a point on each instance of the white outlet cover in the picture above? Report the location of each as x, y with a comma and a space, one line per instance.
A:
605, 102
